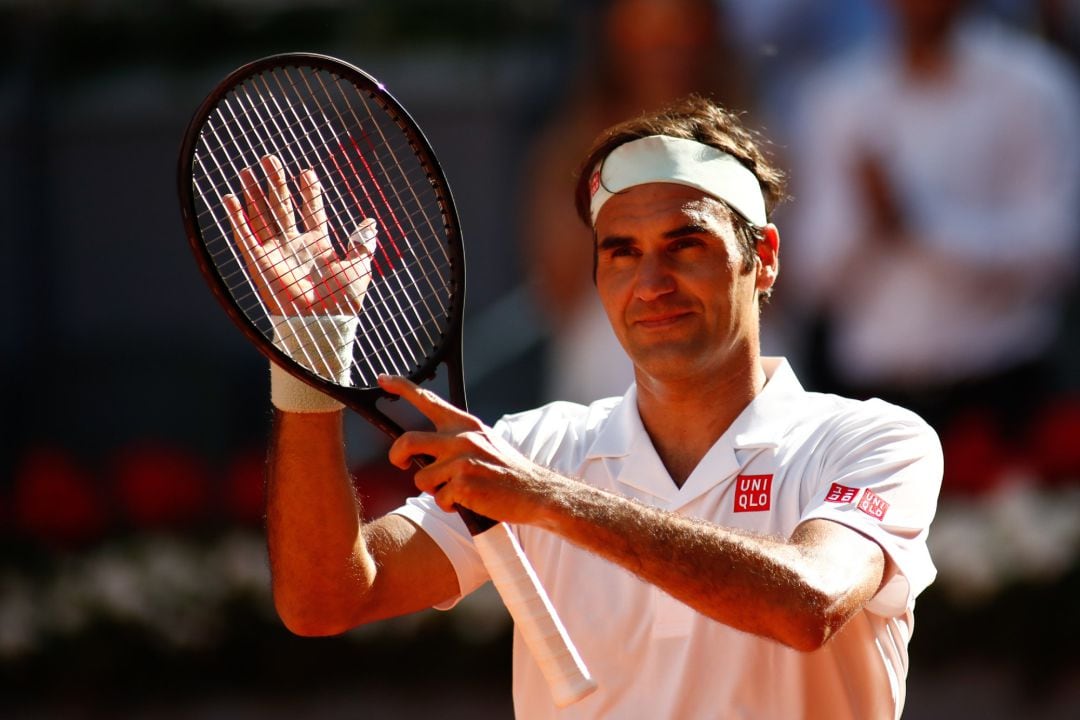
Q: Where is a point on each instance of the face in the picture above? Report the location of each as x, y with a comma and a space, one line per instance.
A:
671, 278
658, 45
927, 18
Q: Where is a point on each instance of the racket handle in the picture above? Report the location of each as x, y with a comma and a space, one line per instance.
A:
534, 615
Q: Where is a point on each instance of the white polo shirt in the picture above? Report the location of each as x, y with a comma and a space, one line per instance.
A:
790, 456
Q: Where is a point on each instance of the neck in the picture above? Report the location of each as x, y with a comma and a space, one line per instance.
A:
927, 53
685, 417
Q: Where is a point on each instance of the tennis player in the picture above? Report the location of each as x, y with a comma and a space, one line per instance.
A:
719, 542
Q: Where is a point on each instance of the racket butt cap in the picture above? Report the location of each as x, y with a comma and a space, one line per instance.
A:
571, 694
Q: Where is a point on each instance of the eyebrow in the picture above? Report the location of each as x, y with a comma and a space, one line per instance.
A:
689, 229
613, 242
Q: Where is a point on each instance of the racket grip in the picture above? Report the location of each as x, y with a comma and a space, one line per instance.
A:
534, 615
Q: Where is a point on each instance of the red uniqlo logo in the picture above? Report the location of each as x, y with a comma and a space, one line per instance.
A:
594, 183
873, 504
841, 493
753, 493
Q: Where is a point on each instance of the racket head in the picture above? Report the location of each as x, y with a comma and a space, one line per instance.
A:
316, 112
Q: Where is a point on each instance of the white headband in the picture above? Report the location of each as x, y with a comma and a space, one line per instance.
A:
660, 158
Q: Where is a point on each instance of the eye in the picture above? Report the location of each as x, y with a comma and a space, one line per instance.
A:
613, 249
684, 243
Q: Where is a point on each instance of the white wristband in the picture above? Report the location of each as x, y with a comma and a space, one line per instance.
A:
292, 395
321, 343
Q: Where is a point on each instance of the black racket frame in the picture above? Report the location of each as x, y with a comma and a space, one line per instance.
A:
447, 351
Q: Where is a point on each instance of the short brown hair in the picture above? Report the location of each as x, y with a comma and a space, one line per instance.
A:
692, 118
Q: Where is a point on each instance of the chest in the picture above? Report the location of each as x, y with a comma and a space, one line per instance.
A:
955, 144
764, 490
760, 490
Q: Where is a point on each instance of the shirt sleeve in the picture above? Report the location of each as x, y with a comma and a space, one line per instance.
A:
450, 534
453, 538
881, 477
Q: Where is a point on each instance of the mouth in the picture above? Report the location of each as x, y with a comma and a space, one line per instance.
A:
661, 320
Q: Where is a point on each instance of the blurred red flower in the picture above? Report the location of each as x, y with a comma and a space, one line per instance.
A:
976, 455
244, 492
158, 485
1054, 441
55, 499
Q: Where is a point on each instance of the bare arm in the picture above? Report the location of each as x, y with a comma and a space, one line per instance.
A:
799, 591
331, 572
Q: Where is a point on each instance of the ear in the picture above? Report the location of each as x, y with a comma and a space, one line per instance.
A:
768, 258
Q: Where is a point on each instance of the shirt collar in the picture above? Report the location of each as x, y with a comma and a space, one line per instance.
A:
763, 422
760, 424
623, 426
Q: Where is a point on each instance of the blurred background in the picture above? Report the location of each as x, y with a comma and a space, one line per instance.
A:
931, 247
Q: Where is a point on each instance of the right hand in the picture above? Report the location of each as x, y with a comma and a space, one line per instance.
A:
470, 465
297, 273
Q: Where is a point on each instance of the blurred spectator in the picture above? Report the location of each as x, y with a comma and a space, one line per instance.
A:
645, 53
785, 41
1060, 24
937, 181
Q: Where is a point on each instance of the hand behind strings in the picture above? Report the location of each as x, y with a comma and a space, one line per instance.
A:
297, 273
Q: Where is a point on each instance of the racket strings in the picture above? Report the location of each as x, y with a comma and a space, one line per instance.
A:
396, 189
316, 354
290, 150
367, 168
344, 177
354, 220
379, 188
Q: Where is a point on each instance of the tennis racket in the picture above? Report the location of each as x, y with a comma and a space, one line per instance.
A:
372, 245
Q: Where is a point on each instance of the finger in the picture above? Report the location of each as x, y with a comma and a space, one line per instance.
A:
444, 498
278, 197
417, 444
316, 239
430, 479
359, 256
262, 224
440, 412
245, 239
312, 208
363, 240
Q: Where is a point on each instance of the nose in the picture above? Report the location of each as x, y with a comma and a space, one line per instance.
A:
654, 278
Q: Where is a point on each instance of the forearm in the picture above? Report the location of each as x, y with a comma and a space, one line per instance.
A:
319, 563
798, 590
767, 586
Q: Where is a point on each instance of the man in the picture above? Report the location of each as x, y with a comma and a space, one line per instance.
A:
719, 542
943, 159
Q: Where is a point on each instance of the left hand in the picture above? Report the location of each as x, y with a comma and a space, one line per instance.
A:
297, 273
472, 467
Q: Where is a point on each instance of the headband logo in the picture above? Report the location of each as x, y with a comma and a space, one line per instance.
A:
594, 183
